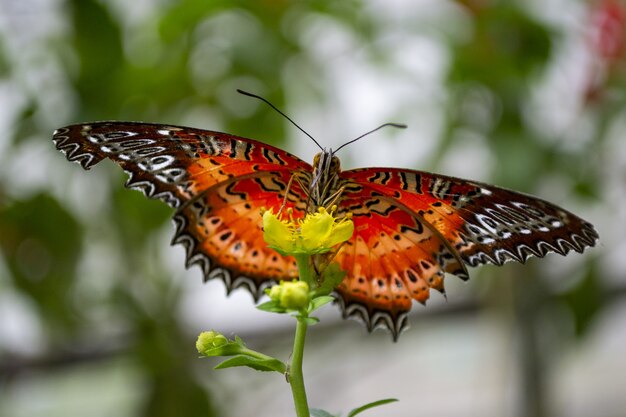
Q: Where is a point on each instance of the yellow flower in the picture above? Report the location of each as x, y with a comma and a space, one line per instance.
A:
317, 233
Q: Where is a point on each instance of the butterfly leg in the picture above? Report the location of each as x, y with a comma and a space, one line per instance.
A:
331, 200
306, 192
282, 206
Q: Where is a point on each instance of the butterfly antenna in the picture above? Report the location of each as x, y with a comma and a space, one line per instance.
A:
245, 93
398, 125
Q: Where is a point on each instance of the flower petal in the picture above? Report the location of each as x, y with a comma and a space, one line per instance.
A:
342, 231
315, 230
277, 233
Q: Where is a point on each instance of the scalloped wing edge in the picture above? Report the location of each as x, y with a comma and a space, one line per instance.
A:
193, 256
577, 243
70, 150
375, 319
87, 160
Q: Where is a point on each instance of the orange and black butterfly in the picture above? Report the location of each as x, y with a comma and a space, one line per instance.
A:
411, 227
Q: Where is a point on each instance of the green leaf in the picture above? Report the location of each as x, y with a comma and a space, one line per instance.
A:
318, 302
310, 320
239, 341
316, 412
228, 349
359, 410
265, 365
332, 276
272, 307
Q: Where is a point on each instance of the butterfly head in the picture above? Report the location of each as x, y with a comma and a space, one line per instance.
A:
326, 162
323, 187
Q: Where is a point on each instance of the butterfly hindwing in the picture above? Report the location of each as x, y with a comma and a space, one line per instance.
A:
221, 230
411, 227
393, 257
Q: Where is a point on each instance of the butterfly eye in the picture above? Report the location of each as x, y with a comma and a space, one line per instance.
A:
316, 160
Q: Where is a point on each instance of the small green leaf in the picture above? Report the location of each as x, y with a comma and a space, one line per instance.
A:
272, 307
332, 276
316, 412
229, 349
311, 320
239, 341
362, 408
317, 302
265, 365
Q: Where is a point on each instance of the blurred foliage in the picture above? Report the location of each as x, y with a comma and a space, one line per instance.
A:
507, 49
182, 61
162, 352
135, 214
42, 243
585, 300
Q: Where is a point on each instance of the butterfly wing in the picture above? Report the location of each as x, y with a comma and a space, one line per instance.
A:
217, 182
453, 221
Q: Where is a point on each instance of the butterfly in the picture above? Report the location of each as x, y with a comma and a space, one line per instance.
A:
411, 227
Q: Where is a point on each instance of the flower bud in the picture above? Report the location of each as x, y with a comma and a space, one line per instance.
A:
294, 295
275, 292
209, 340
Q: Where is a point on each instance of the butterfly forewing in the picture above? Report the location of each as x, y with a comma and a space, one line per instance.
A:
483, 223
172, 163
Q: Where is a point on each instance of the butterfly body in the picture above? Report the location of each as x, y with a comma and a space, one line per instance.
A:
411, 227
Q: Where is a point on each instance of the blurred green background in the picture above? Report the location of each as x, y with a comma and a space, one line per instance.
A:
98, 316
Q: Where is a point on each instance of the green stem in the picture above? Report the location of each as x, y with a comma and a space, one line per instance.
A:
296, 378
305, 272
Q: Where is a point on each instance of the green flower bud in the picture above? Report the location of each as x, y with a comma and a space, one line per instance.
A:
294, 295
275, 292
205, 341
